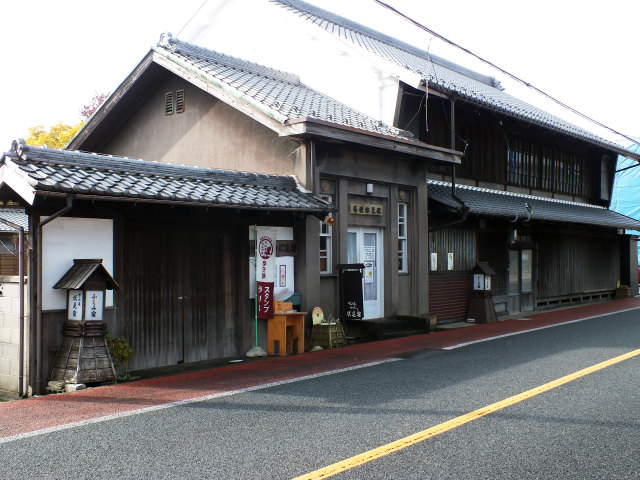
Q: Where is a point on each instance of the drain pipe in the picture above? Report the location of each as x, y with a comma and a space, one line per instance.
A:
452, 127
39, 352
462, 209
20, 230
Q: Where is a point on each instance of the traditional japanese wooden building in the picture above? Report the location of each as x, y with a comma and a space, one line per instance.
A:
184, 103
175, 238
426, 167
531, 195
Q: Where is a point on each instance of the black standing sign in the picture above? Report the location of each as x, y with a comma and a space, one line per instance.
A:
350, 279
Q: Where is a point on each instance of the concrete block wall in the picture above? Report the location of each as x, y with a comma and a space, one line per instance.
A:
10, 334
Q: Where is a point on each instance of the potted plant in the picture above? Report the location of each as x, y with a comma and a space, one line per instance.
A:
121, 352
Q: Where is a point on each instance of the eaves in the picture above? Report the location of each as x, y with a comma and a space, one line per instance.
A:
109, 104
312, 127
255, 110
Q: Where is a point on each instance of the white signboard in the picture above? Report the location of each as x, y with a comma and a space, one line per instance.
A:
94, 305
266, 246
449, 261
434, 262
283, 277
75, 305
478, 281
369, 253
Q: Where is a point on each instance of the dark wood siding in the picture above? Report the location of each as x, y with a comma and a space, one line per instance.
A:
460, 242
493, 249
9, 264
569, 265
449, 295
179, 292
449, 291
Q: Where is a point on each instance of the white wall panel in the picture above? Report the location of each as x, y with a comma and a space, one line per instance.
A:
66, 238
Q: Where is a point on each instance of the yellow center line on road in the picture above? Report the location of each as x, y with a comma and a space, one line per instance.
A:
405, 442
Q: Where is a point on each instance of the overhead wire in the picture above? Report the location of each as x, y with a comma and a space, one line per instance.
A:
510, 75
192, 17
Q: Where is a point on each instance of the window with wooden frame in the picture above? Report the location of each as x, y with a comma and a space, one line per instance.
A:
403, 264
326, 241
543, 167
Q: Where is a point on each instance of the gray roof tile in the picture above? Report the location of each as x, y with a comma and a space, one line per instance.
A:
106, 176
15, 216
278, 91
497, 203
441, 73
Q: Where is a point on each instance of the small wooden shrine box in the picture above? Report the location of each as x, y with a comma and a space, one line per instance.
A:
481, 309
83, 356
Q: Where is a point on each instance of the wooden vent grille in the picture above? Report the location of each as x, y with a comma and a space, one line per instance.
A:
168, 103
179, 101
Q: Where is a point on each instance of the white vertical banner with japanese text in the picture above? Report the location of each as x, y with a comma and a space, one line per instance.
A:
265, 270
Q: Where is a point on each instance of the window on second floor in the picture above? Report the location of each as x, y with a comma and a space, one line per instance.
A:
534, 165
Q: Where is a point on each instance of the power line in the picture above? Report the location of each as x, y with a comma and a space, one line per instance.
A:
192, 17
510, 75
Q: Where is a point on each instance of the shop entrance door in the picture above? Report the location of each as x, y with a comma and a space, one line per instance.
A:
365, 246
520, 288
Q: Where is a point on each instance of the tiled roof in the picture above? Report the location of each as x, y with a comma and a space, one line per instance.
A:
14, 216
107, 176
525, 208
441, 74
279, 93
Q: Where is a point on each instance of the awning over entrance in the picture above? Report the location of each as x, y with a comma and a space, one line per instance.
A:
525, 208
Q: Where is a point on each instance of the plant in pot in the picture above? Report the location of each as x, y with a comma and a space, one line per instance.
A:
121, 352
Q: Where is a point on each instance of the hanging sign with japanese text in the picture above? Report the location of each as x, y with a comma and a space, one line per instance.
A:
265, 271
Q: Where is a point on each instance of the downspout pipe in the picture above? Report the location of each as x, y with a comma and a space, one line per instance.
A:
20, 230
452, 128
463, 209
39, 340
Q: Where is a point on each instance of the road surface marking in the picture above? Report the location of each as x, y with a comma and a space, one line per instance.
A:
489, 339
405, 442
213, 396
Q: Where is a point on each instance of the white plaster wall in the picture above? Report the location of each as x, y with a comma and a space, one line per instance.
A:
271, 36
10, 333
66, 238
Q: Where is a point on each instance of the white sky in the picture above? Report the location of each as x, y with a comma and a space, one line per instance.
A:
58, 54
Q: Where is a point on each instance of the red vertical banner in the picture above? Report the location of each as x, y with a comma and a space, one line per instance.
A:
265, 271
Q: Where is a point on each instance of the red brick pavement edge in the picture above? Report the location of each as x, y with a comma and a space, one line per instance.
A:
32, 414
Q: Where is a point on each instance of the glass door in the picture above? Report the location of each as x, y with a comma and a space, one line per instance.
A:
364, 245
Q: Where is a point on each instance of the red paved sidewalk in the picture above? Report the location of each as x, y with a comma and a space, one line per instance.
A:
54, 410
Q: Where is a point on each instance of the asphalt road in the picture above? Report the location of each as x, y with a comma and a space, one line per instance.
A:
587, 428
